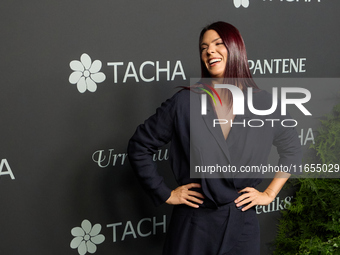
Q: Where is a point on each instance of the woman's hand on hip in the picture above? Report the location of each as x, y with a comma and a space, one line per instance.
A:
252, 197
183, 195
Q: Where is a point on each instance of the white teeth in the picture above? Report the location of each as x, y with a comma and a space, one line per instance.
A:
214, 61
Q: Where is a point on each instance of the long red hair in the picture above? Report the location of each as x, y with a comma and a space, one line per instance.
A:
237, 64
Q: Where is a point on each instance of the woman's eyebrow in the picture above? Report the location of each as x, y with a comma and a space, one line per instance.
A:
203, 43
216, 39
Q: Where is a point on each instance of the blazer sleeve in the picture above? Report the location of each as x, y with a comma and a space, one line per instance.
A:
148, 138
288, 147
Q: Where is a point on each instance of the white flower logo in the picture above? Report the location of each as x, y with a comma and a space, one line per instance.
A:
244, 3
86, 74
86, 237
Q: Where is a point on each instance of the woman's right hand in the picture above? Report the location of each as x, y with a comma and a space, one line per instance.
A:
183, 195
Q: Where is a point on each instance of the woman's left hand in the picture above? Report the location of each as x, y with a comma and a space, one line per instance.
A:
253, 197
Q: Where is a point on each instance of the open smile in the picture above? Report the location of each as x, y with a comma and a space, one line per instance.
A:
214, 61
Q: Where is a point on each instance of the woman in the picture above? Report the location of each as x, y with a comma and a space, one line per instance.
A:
212, 215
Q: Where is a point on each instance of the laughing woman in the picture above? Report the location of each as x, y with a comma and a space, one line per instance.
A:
213, 216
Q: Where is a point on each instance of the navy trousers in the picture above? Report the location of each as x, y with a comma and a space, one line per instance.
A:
225, 230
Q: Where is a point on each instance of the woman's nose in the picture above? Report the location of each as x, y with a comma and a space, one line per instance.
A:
210, 50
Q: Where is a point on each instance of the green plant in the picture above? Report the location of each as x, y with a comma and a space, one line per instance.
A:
312, 224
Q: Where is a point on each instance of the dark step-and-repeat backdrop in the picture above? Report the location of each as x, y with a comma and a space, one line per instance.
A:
77, 77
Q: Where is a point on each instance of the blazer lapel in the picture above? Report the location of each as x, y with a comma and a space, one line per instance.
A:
216, 131
238, 129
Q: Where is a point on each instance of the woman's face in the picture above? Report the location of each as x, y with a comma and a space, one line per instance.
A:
214, 54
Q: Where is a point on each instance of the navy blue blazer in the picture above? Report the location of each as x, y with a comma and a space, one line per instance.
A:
245, 146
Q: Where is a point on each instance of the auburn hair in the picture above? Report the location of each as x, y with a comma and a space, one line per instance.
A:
237, 66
